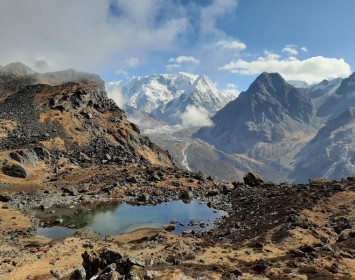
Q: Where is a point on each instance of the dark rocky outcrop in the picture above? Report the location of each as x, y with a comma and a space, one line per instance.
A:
108, 264
14, 169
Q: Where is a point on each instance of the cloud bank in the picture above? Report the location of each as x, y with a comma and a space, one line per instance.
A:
310, 70
105, 35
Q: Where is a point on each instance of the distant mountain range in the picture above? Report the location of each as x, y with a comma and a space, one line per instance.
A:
167, 97
284, 130
303, 132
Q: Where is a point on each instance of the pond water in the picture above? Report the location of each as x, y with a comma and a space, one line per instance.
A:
112, 219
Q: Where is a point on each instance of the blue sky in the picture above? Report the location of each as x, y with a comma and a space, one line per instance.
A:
230, 41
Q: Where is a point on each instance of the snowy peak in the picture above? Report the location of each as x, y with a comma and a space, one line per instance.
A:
167, 96
340, 98
330, 153
203, 84
324, 86
298, 84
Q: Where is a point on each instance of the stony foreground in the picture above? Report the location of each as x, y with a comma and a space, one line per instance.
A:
272, 232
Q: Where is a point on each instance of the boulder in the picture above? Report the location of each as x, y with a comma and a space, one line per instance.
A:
5, 197
15, 169
91, 263
25, 157
108, 264
186, 195
78, 274
253, 179
109, 256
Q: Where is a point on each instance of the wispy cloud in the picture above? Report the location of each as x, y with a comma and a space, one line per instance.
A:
184, 59
177, 62
290, 50
234, 45
131, 62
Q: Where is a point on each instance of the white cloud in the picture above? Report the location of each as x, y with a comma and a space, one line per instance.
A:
304, 49
290, 50
177, 62
196, 117
184, 59
231, 86
310, 70
271, 56
234, 45
117, 96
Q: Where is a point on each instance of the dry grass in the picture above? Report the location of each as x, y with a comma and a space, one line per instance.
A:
6, 126
56, 143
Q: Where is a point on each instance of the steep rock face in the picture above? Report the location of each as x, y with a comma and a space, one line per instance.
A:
75, 123
331, 154
166, 96
269, 111
340, 100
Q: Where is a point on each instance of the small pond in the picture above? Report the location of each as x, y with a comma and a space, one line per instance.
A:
112, 219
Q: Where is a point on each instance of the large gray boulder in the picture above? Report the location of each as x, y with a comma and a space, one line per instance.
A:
253, 179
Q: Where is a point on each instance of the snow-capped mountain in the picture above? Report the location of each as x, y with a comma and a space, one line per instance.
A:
342, 98
321, 92
331, 153
168, 96
298, 84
